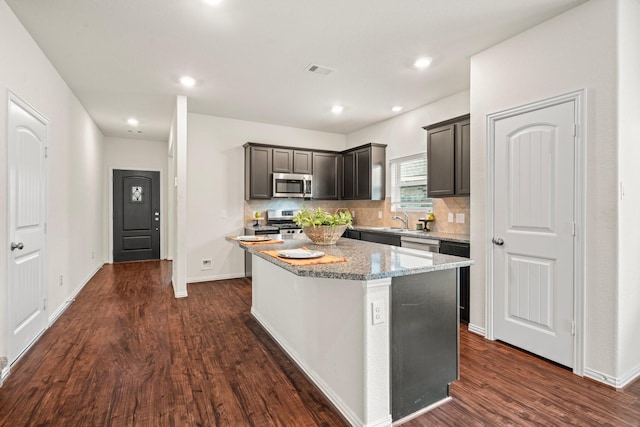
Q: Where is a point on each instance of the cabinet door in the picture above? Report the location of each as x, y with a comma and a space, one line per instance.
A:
348, 176
465, 294
302, 162
387, 239
258, 173
325, 178
352, 234
463, 161
363, 174
462, 250
282, 160
440, 161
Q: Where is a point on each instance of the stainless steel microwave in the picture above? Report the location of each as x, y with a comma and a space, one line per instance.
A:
292, 185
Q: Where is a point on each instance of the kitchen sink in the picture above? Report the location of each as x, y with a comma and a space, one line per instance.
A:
394, 229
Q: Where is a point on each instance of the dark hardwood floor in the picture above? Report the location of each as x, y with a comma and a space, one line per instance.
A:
127, 353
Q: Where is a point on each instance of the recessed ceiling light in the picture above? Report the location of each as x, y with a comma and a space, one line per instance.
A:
132, 121
396, 108
422, 63
337, 109
187, 81
213, 2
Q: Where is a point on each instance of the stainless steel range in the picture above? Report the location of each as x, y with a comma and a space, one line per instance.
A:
278, 222
283, 220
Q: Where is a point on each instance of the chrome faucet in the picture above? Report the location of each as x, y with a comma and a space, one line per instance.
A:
404, 220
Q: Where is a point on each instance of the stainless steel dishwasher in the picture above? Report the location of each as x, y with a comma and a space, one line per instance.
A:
428, 245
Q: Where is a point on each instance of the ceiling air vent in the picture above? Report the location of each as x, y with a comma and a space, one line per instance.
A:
319, 69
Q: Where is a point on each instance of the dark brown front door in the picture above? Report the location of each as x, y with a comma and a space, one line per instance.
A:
136, 215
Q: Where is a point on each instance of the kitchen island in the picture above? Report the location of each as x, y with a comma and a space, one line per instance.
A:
377, 332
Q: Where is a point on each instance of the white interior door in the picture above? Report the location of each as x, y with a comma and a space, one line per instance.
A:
26, 212
534, 189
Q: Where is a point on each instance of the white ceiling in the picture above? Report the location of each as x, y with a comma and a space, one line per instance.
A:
123, 58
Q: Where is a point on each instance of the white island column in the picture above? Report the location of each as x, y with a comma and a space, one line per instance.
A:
336, 330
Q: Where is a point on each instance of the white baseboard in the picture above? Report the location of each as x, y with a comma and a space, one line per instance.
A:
422, 411
182, 294
63, 307
215, 277
5, 374
477, 329
617, 382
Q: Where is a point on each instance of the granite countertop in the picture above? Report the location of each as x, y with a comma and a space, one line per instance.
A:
365, 260
450, 237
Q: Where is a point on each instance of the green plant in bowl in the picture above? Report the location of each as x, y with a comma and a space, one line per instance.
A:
323, 228
310, 218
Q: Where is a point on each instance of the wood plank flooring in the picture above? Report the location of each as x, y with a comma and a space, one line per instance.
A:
127, 353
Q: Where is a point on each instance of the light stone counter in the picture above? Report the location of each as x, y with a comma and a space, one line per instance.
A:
365, 260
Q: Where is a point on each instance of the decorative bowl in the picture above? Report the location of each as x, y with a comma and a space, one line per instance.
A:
324, 234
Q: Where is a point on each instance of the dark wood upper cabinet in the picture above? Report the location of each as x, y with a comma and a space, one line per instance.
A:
257, 172
292, 161
302, 162
463, 160
358, 173
348, 187
364, 172
448, 163
282, 160
326, 176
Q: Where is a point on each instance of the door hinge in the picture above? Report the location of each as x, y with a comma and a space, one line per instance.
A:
46, 152
573, 228
44, 304
575, 129
573, 327
45, 228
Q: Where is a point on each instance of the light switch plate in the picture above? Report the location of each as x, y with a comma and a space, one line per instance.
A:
379, 214
460, 218
450, 217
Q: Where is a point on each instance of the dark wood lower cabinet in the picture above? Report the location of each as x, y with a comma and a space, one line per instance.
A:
462, 250
370, 236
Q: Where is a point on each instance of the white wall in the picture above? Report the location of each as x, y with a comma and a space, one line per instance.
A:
179, 132
628, 157
403, 134
216, 186
135, 154
572, 51
75, 179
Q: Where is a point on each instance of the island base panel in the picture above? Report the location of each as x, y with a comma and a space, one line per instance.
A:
424, 340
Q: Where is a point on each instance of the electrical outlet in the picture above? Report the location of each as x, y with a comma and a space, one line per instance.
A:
460, 218
223, 214
93, 255
353, 214
61, 280
206, 264
450, 217
377, 312
379, 214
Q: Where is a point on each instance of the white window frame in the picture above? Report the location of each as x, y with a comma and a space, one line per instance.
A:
394, 168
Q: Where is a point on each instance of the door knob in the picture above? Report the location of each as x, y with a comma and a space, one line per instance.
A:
15, 246
498, 241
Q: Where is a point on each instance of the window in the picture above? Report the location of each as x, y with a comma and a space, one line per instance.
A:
409, 183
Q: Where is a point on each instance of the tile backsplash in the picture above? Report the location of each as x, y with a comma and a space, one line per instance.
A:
368, 212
